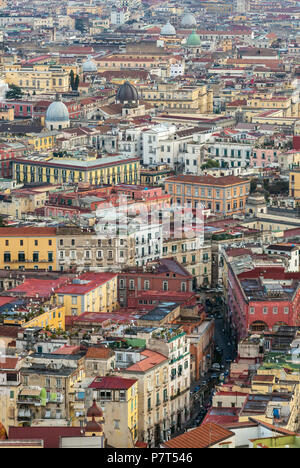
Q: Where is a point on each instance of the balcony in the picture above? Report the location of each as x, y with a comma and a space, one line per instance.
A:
28, 401
24, 415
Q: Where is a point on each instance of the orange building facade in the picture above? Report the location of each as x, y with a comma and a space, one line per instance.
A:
222, 195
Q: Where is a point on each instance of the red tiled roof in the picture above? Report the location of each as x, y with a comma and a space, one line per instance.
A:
152, 359
33, 286
50, 435
274, 428
237, 252
99, 353
9, 331
93, 281
203, 436
139, 444
114, 383
8, 363
27, 231
6, 300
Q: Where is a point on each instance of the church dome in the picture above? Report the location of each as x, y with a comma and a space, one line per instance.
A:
93, 426
57, 112
188, 21
127, 93
168, 30
94, 411
193, 40
89, 65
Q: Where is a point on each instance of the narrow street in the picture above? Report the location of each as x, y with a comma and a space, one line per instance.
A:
225, 352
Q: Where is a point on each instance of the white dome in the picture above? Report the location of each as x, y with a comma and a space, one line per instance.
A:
57, 112
188, 20
168, 30
89, 65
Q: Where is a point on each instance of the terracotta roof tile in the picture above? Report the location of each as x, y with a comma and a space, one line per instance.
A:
99, 353
116, 383
50, 435
152, 359
27, 231
203, 436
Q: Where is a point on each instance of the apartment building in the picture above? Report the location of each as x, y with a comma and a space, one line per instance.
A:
113, 169
263, 298
224, 195
151, 370
193, 254
45, 395
38, 78
90, 292
179, 97
166, 274
28, 248
230, 154
119, 399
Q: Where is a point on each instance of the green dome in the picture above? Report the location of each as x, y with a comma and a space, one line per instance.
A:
193, 40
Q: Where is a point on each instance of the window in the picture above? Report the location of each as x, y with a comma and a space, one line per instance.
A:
116, 424
165, 285
252, 310
73, 254
35, 256
131, 284
265, 310
74, 300
286, 310
21, 256
6, 257
275, 310
146, 284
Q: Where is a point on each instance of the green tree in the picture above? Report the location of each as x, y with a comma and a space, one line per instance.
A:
209, 164
14, 92
72, 79
76, 83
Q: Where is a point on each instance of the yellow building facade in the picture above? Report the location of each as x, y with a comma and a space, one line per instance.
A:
38, 78
92, 292
53, 318
172, 96
111, 170
42, 141
294, 182
27, 248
